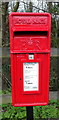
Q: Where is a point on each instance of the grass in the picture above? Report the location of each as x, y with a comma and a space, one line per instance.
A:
8, 91
1, 92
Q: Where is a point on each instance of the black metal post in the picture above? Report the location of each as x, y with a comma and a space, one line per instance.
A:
29, 113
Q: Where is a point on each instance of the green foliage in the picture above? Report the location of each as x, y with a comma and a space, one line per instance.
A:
54, 73
0, 92
8, 91
6, 65
6, 81
54, 10
54, 42
49, 111
13, 112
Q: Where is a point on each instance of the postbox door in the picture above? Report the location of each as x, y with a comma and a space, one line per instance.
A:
39, 95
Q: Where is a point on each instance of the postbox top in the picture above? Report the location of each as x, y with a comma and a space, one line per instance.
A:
28, 13
30, 32
30, 21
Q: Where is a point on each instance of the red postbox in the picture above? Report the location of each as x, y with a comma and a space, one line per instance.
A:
30, 58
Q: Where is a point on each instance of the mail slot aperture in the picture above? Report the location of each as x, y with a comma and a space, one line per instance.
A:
30, 41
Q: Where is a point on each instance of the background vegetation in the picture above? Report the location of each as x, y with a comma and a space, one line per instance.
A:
30, 6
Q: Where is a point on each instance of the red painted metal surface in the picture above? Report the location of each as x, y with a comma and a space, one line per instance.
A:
30, 45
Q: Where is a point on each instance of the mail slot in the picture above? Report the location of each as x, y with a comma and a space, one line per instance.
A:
30, 58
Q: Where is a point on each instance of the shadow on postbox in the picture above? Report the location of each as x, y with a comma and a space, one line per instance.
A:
30, 58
